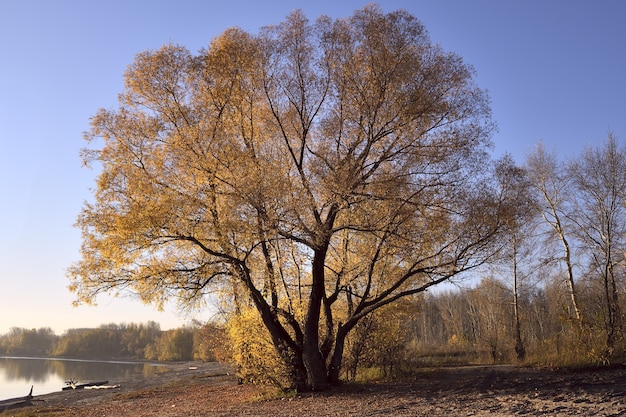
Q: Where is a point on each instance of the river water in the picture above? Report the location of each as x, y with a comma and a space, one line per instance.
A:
48, 375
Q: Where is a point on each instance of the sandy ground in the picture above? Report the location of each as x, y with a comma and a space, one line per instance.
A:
212, 390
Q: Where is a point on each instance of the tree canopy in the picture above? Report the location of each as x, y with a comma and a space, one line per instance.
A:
315, 171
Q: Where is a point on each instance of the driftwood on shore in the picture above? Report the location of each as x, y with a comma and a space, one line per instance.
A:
17, 402
73, 385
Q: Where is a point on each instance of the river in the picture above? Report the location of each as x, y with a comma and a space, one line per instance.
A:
46, 375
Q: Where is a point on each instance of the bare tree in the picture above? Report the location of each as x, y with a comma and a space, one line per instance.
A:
552, 184
599, 178
517, 257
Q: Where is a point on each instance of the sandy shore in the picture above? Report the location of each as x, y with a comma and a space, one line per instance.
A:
212, 390
211, 373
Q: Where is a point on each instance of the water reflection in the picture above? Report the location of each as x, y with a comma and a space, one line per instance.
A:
28, 370
48, 375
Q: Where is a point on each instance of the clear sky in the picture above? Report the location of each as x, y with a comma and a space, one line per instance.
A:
555, 71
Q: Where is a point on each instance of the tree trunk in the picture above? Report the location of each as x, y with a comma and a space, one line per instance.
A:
288, 350
570, 269
311, 355
520, 351
614, 320
334, 368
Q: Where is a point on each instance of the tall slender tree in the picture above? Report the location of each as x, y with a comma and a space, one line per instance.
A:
599, 177
552, 183
518, 252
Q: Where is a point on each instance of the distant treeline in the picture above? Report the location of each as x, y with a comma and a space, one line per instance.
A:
116, 341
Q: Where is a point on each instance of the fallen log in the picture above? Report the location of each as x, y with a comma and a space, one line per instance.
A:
73, 385
103, 386
17, 402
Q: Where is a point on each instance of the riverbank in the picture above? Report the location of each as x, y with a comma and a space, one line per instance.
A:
211, 390
174, 373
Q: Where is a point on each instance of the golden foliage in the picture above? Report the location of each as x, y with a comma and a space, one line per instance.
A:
323, 170
253, 353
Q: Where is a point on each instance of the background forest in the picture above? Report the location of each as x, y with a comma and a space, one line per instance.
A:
116, 341
552, 296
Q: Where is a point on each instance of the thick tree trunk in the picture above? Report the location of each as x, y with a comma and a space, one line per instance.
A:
311, 355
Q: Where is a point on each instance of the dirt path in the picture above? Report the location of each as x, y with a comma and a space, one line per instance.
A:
455, 391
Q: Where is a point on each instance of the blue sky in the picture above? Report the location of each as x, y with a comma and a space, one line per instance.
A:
555, 71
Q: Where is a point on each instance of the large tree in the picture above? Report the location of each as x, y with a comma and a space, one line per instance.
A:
323, 170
